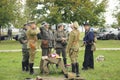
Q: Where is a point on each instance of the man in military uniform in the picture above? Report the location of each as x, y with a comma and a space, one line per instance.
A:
88, 41
61, 42
47, 39
32, 43
73, 47
25, 52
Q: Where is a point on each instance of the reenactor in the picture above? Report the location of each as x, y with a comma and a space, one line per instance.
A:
88, 42
73, 47
47, 39
61, 42
32, 44
9, 33
25, 51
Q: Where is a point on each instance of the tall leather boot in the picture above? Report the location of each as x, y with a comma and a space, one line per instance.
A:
27, 65
31, 68
23, 66
65, 62
73, 68
77, 70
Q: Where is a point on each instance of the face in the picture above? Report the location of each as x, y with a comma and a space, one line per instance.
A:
33, 26
62, 27
87, 27
47, 26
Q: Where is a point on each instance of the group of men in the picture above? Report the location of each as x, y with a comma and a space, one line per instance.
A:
60, 42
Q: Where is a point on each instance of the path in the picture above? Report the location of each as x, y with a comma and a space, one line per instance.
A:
19, 50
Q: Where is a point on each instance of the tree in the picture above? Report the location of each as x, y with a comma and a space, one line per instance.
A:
118, 18
72, 10
6, 12
116, 14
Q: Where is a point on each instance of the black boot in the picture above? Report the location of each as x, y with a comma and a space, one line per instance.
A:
73, 68
77, 70
27, 66
66, 75
23, 66
65, 62
31, 68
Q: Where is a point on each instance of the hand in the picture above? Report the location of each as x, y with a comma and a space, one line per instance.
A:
82, 45
25, 41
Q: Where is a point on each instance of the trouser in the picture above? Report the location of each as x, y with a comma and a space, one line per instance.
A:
25, 54
73, 55
32, 55
88, 57
25, 59
74, 60
46, 51
63, 51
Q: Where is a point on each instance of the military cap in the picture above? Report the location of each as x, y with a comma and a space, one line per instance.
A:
44, 23
26, 24
31, 22
59, 25
86, 24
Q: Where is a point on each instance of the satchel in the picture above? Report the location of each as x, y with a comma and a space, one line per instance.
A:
93, 47
44, 43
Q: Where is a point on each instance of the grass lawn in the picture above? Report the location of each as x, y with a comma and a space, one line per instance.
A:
10, 67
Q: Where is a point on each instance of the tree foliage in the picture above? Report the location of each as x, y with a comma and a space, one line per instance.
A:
6, 11
118, 13
73, 10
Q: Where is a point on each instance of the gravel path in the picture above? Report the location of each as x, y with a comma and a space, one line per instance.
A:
19, 50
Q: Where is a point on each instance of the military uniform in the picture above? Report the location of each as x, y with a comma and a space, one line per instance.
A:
73, 48
47, 39
60, 45
25, 52
46, 36
88, 57
32, 43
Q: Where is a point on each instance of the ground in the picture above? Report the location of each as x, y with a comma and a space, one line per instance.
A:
10, 64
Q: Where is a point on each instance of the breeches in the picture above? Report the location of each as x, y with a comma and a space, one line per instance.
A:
74, 56
32, 53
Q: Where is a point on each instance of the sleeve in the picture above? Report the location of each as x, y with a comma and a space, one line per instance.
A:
21, 37
57, 38
71, 38
27, 33
91, 37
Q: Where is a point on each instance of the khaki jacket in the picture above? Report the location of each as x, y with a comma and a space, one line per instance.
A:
74, 40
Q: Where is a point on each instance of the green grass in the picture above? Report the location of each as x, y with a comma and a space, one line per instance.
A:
10, 66
13, 45
108, 44
9, 45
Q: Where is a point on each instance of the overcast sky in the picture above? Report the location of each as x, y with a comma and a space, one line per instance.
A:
111, 7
